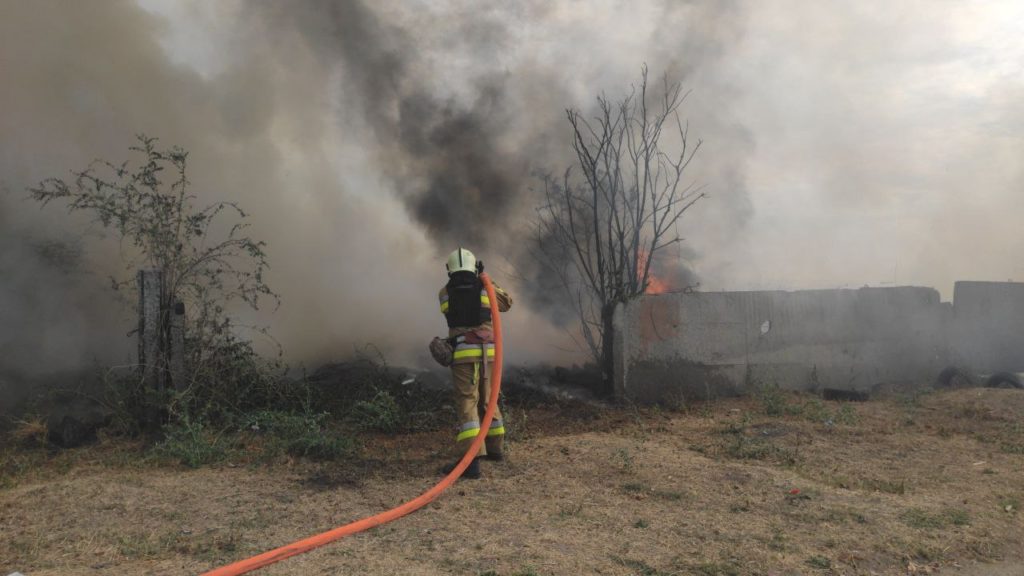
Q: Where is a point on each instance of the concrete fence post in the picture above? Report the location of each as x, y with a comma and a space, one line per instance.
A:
176, 356
621, 350
150, 284
161, 335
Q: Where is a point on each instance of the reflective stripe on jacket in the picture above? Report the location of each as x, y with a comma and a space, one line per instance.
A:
485, 301
467, 353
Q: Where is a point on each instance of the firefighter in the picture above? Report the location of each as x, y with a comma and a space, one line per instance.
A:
467, 309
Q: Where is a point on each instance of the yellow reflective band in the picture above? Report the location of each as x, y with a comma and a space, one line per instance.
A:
496, 431
465, 434
472, 353
485, 302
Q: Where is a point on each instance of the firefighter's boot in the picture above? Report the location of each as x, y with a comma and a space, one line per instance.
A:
472, 472
495, 446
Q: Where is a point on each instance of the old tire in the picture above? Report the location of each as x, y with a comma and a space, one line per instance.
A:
953, 377
1004, 380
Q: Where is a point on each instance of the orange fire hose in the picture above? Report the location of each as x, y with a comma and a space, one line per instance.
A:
307, 544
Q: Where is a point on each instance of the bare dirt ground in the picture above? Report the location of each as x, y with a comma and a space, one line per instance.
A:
782, 484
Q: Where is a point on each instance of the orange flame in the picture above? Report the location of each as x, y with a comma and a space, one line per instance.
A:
655, 285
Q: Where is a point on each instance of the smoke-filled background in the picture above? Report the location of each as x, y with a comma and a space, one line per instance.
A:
844, 144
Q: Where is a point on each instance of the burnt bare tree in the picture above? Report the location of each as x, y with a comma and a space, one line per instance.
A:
604, 226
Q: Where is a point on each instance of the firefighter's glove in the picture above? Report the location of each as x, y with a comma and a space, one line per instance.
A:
442, 351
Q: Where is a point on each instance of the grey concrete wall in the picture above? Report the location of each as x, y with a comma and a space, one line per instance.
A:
987, 334
706, 344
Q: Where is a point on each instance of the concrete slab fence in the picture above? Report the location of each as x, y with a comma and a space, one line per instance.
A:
706, 344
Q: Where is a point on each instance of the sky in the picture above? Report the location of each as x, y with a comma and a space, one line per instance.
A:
844, 144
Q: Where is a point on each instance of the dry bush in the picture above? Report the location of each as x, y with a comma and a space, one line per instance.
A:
30, 431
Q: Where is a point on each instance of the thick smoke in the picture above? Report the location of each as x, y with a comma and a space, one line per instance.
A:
465, 160
368, 139
456, 160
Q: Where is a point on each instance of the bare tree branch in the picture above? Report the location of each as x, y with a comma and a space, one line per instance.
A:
631, 194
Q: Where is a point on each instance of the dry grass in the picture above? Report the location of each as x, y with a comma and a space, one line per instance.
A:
30, 431
890, 487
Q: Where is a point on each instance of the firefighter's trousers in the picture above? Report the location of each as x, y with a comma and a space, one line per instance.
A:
472, 391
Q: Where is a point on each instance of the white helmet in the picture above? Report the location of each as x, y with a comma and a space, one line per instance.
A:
461, 260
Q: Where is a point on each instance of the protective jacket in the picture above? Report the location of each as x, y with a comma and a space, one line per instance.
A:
467, 309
